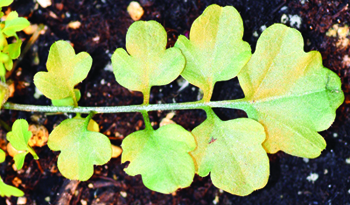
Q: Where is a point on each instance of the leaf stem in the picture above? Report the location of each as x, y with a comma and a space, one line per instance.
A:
31, 151
146, 96
148, 125
241, 104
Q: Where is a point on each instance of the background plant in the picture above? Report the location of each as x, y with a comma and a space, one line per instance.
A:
239, 140
10, 50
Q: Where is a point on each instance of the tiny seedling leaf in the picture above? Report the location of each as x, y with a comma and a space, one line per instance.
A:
19, 159
2, 156
149, 62
65, 70
4, 92
290, 92
215, 51
68, 101
4, 3
19, 137
14, 25
161, 157
232, 152
12, 15
80, 149
13, 49
7, 190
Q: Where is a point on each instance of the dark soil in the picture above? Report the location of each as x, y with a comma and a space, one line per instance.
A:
108, 20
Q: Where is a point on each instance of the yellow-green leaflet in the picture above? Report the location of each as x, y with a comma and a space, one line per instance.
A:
65, 70
80, 148
7, 190
161, 157
2, 156
215, 50
290, 92
5, 3
231, 151
13, 24
148, 63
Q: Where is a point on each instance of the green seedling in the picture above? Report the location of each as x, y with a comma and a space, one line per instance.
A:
8, 28
19, 138
7, 190
9, 52
284, 113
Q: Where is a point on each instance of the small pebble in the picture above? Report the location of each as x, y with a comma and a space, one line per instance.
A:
135, 10
21, 200
37, 93
44, 3
116, 151
83, 202
312, 177
123, 194
74, 24
263, 27
347, 160
295, 20
47, 199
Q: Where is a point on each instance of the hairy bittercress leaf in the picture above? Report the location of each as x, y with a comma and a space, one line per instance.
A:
80, 148
215, 50
19, 137
161, 157
149, 63
290, 92
232, 152
65, 70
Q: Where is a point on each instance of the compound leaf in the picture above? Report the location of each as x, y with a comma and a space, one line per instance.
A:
149, 62
7, 190
161, 157
232, 152
215, 51
80, 148
65, 70
290, 92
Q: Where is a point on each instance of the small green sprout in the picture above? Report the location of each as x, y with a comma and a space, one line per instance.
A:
19, 138
7, 190
8, 28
